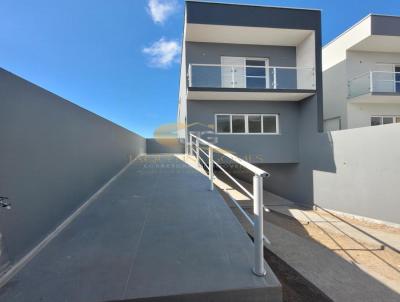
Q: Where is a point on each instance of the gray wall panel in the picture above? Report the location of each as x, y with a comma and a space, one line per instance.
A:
251, 15
53, 156
385, 25
164, 145
255, 148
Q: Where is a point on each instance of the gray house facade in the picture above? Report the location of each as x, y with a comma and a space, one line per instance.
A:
247, 75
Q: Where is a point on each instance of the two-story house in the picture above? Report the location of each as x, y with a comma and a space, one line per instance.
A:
361, 75
251, 78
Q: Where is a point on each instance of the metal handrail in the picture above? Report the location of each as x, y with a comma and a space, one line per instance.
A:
372, 72
274, 73
256, 170
251, 66
370, 76
257, 196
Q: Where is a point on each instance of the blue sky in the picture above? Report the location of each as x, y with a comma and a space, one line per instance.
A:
120, 58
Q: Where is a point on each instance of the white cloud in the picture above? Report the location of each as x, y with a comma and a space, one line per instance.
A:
163, 53
160, 10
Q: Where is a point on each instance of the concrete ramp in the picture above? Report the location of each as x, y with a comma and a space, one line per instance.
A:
156, 232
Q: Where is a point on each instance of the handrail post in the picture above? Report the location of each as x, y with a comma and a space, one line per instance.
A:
371, 82
274, 74
211, 167
259, 268
191, 144
197, 152
233, 76
190, 75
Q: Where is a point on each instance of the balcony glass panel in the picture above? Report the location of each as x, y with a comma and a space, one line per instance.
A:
383, 81
286, 78
359, 85
375, 81
250, 76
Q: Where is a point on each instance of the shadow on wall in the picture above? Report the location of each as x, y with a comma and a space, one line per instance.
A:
294, 181
354, 171
54, 156
164, 145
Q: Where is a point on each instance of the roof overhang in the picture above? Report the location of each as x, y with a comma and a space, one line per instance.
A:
235, 94
378, 43
245, 34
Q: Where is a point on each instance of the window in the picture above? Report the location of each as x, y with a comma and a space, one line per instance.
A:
387, 120
397, 78
238, 124
269, 124
383, 120
247, 123
255, 125
223, 123
376, 120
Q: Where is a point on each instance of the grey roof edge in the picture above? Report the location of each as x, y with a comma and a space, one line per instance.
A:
254, 5
354, 25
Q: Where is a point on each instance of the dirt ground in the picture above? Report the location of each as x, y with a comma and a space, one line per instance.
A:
380, 261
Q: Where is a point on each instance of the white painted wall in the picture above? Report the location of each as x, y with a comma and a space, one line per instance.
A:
335, 51
359, 62
335, 92
305, 57
359, 115
182, 100
365, 173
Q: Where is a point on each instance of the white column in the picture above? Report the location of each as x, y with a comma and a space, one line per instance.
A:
259, 268
197, 152
211, 167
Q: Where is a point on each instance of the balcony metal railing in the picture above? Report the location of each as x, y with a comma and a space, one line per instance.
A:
251, 77
374, 81
195, 148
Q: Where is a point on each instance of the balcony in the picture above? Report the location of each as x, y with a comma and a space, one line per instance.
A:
256, 82
375, 87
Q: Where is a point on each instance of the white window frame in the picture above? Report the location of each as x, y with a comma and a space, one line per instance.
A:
246, 115
393, 117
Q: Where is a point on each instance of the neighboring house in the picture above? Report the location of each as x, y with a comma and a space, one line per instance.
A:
361, 75
253, 74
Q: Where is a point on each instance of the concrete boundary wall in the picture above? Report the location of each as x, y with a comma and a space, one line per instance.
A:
365, 177
53, 156
355, 171
164, 145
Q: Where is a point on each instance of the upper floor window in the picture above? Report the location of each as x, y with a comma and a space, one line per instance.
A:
247, 123
383, 120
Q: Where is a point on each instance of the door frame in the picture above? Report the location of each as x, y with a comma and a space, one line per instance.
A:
266, 67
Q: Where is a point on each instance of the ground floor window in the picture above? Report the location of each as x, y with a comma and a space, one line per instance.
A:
383, 120
241, 123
